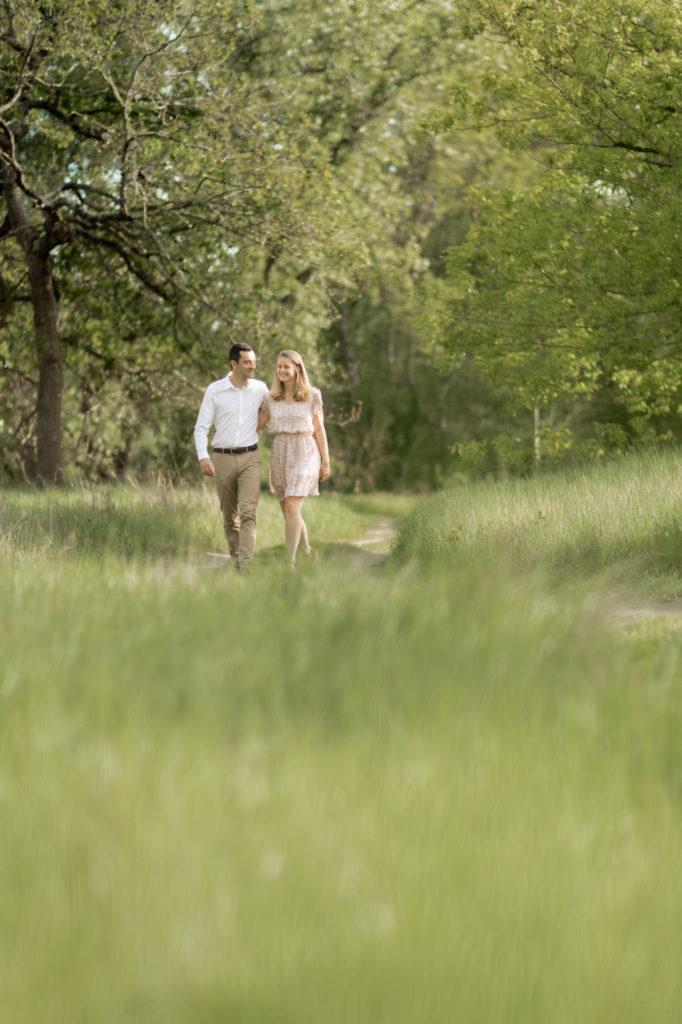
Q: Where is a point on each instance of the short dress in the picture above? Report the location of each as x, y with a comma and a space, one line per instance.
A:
295, 458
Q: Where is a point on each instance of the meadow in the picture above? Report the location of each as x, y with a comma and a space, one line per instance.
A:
621, 521
440, 786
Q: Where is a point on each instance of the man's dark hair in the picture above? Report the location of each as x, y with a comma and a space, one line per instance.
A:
235, 352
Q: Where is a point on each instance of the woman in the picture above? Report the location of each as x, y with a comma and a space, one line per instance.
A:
300, 453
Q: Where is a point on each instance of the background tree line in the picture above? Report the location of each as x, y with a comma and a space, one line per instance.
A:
466, 217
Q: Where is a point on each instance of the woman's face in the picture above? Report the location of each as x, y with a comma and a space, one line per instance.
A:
286, 370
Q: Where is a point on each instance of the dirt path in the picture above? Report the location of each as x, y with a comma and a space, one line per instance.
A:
382, 533
631, 611
372, 549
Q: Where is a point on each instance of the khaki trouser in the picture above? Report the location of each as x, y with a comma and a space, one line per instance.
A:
237, 480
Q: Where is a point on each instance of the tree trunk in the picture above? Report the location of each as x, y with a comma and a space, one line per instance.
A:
50, 368
346, 349
36, 246
537, 441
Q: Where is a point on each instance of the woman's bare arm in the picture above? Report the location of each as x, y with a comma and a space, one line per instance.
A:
322, 443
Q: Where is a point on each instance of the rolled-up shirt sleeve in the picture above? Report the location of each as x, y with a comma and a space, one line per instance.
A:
203, 425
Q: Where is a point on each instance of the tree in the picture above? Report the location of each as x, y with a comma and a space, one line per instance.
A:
237, 165
569, 280
125, 130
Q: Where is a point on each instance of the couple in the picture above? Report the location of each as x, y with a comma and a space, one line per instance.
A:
239, 407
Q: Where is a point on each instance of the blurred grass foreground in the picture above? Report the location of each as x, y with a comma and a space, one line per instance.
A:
441, 788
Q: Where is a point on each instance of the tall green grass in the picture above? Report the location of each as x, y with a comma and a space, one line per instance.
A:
145, 522
623, 519
405, 795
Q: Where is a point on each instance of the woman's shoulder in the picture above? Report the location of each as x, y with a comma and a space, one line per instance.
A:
316, 396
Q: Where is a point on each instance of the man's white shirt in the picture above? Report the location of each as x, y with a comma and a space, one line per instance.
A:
233, 411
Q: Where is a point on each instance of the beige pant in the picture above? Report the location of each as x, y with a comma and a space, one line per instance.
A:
237, 480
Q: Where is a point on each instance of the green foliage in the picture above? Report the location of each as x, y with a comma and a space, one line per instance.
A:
565, 285
457, 217
250, 164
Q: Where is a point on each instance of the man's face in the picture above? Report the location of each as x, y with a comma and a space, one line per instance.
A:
246, 367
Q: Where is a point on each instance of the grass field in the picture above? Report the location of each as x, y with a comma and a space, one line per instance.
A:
444, 788
621, 521
163, 522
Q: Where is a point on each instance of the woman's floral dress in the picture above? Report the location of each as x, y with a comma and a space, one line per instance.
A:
295, 458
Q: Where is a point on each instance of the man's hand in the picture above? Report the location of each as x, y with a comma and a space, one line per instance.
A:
206, 466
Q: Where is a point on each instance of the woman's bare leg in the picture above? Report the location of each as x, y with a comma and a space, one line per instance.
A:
293, 526
305, 543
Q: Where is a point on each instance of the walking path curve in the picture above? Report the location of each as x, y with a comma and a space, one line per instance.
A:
374, 546
629, 611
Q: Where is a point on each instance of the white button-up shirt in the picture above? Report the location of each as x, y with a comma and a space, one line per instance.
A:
234, 413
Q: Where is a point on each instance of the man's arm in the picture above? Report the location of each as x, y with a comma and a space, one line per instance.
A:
263, 412
201, 429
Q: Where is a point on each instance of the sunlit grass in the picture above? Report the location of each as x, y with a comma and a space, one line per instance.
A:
160, 522
362, 793
623, 518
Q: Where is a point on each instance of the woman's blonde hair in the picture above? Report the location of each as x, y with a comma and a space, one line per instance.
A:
301, 383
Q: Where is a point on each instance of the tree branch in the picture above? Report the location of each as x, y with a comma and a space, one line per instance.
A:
142, 275
73, 120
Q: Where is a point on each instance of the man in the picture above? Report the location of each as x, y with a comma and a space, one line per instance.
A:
231, 405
